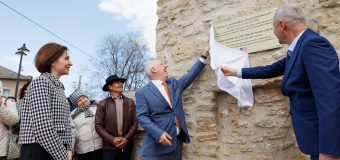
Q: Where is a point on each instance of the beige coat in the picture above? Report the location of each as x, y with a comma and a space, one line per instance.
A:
84, 136
8, 117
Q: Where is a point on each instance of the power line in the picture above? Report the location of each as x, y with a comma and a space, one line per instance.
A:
55, 35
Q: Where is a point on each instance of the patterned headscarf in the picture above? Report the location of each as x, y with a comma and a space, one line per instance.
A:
74, 98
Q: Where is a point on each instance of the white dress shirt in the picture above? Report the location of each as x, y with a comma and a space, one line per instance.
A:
293, 44
160, 87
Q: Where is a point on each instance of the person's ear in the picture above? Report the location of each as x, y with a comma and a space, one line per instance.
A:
153, 70
282, 25
52, 64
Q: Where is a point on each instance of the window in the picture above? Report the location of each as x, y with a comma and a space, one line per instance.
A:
6, 92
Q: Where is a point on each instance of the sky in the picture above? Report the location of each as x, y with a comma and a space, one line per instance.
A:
82, 23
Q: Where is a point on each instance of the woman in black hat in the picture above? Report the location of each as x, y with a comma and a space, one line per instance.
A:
116, 121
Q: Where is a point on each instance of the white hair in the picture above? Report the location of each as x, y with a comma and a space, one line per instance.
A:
148, 66
292, 13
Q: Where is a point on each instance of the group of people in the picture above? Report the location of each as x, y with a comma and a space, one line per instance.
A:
48, 130
311, 79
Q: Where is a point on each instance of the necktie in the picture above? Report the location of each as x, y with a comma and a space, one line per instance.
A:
167, 91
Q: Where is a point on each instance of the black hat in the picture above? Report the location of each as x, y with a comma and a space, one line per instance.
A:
111, 79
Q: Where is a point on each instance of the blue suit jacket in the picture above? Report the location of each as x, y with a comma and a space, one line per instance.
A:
156, 116
311, 79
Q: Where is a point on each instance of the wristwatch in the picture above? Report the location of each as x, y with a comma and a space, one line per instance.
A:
203, 56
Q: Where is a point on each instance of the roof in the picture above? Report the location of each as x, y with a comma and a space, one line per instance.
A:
6, 73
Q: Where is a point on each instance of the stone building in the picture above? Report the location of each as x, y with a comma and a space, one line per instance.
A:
220, 130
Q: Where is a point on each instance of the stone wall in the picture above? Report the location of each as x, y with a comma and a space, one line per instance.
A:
217, 127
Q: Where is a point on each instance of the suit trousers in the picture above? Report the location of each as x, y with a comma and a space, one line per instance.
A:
117, 153
314, 157
175, 155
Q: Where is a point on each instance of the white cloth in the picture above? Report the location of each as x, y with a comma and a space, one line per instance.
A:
239, 88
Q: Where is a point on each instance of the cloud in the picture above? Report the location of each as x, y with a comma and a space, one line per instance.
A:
142, 14
12, 63
15, 59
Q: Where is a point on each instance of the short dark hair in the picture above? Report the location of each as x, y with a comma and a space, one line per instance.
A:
48, 54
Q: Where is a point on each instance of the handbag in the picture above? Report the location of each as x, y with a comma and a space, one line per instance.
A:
13, 150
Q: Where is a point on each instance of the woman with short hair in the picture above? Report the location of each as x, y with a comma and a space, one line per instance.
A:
45, 133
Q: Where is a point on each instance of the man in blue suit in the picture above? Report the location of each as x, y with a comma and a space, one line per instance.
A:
160, 111
311, 80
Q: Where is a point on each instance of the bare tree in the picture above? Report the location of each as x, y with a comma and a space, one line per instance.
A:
120, 55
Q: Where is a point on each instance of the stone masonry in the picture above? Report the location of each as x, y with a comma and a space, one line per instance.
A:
219, 130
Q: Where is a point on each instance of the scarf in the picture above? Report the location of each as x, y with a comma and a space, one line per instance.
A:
86, 110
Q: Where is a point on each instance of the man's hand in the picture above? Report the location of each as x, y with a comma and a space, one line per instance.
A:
228, 71
206, 51
324, 157
69, 155
123, 143
165, 139
116, 141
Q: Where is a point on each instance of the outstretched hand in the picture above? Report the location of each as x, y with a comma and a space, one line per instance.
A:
228, 71
206, 51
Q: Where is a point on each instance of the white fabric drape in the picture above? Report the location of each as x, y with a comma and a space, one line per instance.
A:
239, 88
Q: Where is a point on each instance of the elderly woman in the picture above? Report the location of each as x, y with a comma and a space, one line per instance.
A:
8, 117
87, 143
45, 132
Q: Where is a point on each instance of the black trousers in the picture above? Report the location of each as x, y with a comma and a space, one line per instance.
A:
117, 154
34, 152
94, 155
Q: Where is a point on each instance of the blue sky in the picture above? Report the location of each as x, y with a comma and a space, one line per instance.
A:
82, 23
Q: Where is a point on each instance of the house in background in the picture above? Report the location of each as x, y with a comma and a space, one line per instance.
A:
8, 79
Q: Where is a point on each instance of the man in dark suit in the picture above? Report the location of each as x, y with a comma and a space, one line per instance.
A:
160, 111
311, 80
